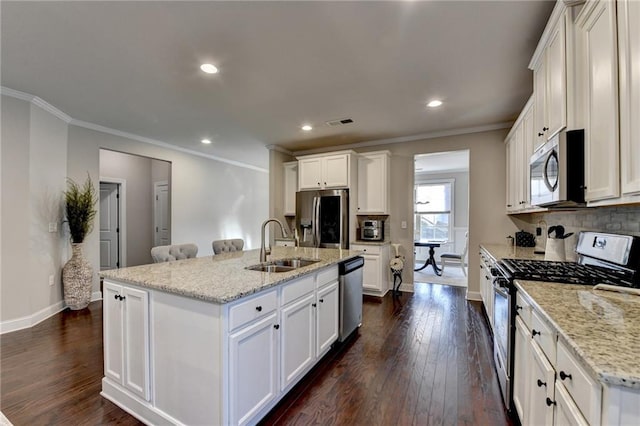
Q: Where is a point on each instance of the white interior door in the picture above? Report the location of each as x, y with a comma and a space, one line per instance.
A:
162, 224
109, 226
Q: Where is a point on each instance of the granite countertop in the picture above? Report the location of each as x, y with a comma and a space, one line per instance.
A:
223, 278
370, 242
600, 327
503, 251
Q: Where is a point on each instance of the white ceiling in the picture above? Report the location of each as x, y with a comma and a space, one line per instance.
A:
133, 66
452, 161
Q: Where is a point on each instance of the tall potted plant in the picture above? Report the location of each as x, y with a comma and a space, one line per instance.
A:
77, 274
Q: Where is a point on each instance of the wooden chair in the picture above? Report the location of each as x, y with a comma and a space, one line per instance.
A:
456, 258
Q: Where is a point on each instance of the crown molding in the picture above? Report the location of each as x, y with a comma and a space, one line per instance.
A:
39, 102
412, 138
279, 149
92, 126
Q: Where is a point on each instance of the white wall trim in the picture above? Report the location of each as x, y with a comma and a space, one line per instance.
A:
123, 216
474, 295
423, 136
279, 149
36, 318
37, 102
92, 126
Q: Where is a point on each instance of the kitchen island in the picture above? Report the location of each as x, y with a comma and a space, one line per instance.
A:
206, 341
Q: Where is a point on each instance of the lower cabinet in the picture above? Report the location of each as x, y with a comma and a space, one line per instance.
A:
253, 368
486, 285
541, 388
521, 369
126, 337
297, 337
327, 325
375, 277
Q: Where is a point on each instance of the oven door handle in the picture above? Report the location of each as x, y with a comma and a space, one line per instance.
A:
501, 290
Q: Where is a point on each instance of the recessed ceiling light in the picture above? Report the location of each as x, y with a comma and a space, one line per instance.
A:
307, 128
206, 141
209, 68
434, 104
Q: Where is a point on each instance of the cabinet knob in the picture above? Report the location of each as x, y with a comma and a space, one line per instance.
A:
518, 307
544, 129
321, 300
325, 183
508, 205
259, 308
117, 297
541, 383
123, 297
276, 326
534, 332
564, 375
314, 304
550, 402
540, 134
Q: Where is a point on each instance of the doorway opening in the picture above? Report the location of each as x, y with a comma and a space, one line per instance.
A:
441, 217
135, 208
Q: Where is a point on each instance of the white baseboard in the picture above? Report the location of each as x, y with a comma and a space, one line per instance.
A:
474, 295
36, 318
406, 287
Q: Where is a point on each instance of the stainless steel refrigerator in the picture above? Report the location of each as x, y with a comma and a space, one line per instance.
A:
322, 218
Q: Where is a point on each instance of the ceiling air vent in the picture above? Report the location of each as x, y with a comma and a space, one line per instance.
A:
339, 122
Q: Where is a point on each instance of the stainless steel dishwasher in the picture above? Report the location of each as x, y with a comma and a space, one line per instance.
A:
350, 296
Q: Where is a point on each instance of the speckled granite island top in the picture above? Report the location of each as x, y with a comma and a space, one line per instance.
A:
223, 278
601, 327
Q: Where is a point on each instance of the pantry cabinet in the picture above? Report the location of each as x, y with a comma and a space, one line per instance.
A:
628, 14
374, 183
602, 164
325, 171
126, 331
290, 187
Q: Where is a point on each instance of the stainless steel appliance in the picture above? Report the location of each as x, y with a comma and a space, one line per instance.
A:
372, 230
350, 282
322, 218
557, 171
608, 259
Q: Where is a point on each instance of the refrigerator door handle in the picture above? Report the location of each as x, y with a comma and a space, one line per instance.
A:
316, 221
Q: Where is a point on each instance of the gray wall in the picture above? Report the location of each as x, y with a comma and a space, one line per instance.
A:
34, 166
137, 172
210, 200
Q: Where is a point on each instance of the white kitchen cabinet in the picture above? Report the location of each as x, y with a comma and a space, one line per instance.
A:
327, 324
290, 187
519, 145
549, 67
486, 285
602, 165
325, 171
374, 182
375, 274
253, 368
297, 339
565, 411
541, 388
628, 13
126, 331
521, 371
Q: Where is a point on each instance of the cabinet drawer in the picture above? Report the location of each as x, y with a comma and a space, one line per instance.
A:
367, 249
567, 413
544, 336
327, 276
257, 307
585, 391
297, 288
523, 309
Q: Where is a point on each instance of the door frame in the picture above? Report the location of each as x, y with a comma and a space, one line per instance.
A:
122, 214
155, 207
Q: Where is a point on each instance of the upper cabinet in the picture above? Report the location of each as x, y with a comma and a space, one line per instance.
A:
325, 171
629, 73
519, 145
290, 187
611, 32
373, 182
549, 65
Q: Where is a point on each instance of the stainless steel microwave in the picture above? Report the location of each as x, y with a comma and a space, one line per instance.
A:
557, 171
372, 230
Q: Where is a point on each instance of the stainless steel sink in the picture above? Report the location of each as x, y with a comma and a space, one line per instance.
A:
282, 265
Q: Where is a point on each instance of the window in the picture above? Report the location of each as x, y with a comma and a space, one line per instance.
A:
433, 210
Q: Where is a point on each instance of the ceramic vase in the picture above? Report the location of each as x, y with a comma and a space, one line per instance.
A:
77, 277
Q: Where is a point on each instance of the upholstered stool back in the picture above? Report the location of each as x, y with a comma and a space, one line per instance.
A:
173, 252
226, 246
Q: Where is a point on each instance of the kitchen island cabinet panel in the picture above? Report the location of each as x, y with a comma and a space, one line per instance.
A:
297, 340
328, 318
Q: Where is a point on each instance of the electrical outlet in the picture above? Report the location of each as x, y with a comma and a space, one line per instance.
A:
53, 227
51, 280
403, 224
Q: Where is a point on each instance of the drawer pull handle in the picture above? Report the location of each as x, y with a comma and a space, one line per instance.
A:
534, 332
550, 402
564, 375
259, 308
276, 326
541, 383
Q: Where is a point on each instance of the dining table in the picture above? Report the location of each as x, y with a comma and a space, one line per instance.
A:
432, 244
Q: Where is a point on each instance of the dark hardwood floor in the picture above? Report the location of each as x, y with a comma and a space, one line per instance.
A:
423, 358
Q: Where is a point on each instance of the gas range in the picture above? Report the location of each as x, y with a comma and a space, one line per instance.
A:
565, 272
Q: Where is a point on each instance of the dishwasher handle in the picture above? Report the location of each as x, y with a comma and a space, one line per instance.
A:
351, 265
